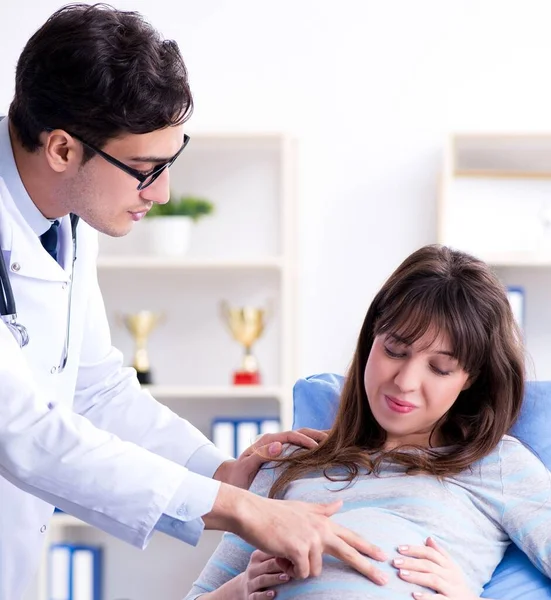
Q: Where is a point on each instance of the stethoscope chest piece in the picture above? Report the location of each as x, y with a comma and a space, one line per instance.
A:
19, 332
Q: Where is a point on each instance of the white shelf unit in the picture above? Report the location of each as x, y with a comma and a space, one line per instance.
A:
165, 392
143, 263
244, 253
495, 202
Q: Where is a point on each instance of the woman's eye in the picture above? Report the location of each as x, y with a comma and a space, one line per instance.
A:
392, 354
440, 371
145, 173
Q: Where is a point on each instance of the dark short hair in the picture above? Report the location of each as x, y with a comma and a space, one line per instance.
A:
98, 72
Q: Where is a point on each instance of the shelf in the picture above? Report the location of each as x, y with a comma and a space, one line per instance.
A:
516, 259
165, 392
496, 174
186, 264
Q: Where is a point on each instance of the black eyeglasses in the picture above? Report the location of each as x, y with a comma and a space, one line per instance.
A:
145, 179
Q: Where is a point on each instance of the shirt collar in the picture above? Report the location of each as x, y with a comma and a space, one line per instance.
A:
9, 173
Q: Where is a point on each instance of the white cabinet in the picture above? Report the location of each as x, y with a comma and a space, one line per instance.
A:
245, 254
495, 202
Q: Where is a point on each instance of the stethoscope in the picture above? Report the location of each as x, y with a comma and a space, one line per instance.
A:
8, 312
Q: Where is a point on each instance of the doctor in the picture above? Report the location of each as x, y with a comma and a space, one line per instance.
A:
96, 120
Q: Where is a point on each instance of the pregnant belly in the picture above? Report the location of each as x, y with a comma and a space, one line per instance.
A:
339, 581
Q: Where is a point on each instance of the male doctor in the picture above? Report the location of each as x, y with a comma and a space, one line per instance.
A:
96, 120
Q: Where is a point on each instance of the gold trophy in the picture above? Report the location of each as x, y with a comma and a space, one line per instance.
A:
246, 325
140, 325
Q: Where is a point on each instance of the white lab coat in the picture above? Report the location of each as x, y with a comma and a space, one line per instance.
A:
77, 439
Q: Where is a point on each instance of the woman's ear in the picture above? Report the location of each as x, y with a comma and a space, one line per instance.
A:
470, 380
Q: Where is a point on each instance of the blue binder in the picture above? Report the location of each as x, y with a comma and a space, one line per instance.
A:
233, 435
74, 572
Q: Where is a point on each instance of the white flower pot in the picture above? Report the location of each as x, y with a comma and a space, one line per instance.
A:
168, 236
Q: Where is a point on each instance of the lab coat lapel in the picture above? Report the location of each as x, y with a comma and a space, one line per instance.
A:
30, 259
26, 255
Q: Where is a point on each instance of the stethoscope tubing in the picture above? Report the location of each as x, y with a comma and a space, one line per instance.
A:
7, 301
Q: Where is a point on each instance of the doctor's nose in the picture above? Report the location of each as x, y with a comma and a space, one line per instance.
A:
159, 191
408, 377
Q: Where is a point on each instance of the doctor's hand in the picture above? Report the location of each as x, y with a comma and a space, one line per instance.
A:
300, 532
242, 471
432, 567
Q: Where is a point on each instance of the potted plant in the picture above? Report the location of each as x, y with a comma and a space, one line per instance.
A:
169, 225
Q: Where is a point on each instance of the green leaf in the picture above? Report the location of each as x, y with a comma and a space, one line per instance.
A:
184, 206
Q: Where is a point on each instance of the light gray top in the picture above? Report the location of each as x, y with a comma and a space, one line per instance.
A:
474, 515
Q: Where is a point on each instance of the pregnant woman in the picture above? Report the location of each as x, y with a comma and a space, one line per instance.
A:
419, 453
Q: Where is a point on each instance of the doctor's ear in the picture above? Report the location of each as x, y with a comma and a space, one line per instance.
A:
62, 151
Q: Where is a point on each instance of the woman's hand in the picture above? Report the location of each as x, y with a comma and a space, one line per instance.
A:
262, 575
432, 567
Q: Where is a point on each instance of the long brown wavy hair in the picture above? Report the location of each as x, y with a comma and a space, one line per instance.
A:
436, 289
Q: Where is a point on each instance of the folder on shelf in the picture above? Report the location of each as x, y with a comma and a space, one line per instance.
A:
74, 572
270, 426
234, 435
515, 296
59, 572
246, 434
86, 573
223, 436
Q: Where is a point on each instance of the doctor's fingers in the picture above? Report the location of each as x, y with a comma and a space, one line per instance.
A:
315, 434
285, 437
355, 541
350, 548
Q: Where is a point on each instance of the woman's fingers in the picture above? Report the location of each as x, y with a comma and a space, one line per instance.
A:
259, 556
426, 552
265, 581
262, 564
267, 567
431, 542
284, 564
266, 595
429, 580
420, 565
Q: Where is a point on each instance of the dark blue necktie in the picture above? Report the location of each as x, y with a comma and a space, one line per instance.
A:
49, 240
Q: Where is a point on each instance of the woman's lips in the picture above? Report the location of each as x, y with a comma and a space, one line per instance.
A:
399, 406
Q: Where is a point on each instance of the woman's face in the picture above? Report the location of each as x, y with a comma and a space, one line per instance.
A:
410, 387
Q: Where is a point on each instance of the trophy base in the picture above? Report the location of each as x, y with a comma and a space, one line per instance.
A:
144, 377
246, 378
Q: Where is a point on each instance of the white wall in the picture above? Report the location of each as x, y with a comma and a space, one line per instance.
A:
370, 88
